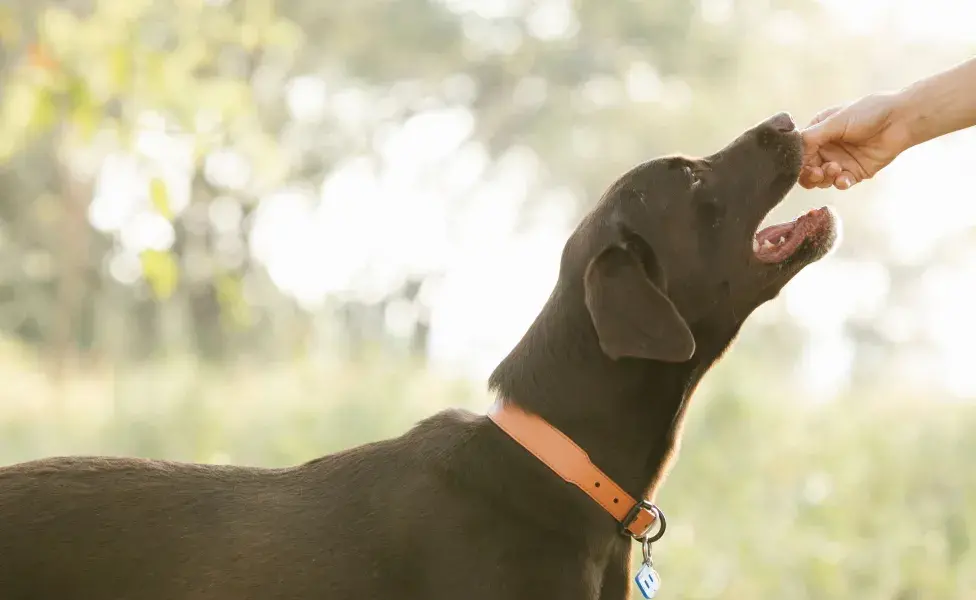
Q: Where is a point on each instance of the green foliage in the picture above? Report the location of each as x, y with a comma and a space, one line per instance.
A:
160, 198
161, 271
234, 307
622, 81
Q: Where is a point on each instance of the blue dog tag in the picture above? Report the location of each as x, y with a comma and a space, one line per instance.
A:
648, 581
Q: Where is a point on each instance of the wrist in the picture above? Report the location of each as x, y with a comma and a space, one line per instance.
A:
911, 117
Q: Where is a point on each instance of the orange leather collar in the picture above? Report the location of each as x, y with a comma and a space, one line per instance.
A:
573, 464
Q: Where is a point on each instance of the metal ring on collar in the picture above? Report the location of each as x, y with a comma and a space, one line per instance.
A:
658, 518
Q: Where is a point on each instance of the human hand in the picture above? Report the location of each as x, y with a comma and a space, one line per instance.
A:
845, 145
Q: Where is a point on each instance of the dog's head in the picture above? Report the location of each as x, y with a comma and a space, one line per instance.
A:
670, 261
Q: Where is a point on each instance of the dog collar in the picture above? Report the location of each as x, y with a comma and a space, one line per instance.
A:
573, 464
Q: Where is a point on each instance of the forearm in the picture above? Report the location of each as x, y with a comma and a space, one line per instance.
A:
940, 104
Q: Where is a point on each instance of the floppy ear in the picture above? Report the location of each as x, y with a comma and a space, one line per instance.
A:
631, 314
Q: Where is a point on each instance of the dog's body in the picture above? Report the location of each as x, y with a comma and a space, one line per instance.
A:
653, 286
386, 519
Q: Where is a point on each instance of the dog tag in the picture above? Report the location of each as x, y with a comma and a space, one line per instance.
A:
648, 581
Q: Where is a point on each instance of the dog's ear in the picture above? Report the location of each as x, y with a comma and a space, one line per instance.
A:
632, 315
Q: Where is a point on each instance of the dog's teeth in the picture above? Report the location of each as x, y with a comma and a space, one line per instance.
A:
766, 245
782, 239
755, 245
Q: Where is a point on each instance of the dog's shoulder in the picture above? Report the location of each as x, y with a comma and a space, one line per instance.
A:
443, 435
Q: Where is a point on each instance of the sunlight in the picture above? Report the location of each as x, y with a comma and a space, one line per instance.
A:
910, 20
426, 206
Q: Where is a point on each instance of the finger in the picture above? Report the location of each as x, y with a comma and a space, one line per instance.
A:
828, 175
811, 176
822, 115
812, 158
845, 181
822, 132
816, 174
828, 180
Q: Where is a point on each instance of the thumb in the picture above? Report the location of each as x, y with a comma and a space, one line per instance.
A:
827, 126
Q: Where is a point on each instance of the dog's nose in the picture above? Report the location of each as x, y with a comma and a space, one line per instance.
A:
783, 122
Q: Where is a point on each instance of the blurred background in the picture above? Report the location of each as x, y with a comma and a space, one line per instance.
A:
256, 232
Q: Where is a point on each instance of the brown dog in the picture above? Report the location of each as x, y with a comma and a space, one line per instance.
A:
654, 285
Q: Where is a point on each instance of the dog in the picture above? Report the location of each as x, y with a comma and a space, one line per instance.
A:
654, 285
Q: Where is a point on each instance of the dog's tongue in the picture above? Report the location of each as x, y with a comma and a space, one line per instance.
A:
778, 242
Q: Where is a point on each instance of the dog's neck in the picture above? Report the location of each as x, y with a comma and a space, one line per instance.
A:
626, 414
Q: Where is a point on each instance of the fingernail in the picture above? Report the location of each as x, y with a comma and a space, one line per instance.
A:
843, 183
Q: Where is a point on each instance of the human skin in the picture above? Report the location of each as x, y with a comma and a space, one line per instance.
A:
845, 145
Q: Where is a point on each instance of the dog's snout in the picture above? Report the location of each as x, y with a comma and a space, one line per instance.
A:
782, 122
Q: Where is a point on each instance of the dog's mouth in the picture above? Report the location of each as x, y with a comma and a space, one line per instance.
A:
808, 237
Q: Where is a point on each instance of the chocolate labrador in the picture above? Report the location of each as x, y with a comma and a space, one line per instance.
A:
653, 286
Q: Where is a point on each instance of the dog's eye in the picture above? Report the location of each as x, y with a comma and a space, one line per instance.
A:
693, 177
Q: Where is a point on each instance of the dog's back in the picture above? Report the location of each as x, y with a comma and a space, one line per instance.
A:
92, 523
336, 527
98, 528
